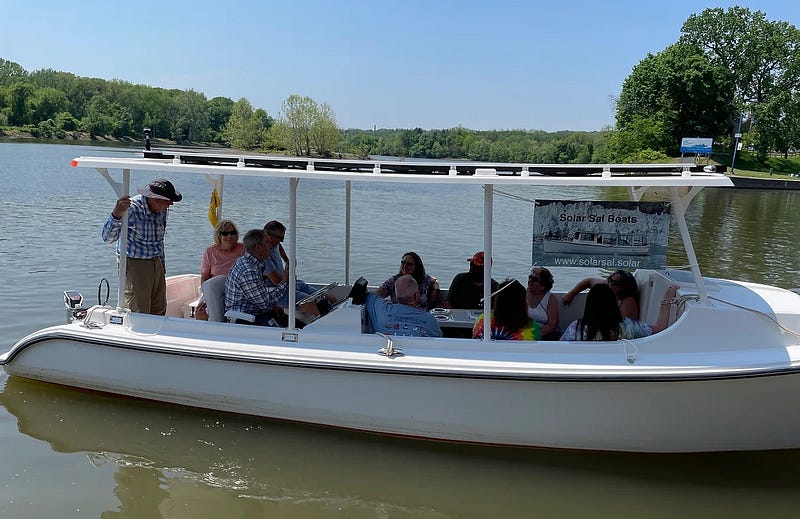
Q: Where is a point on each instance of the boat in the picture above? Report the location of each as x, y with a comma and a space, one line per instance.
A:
583, 242
722, 377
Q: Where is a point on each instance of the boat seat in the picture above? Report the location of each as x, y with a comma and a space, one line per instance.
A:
214, 297
233, 315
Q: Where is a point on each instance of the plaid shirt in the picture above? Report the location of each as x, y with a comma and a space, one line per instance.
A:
145, 230
246, 289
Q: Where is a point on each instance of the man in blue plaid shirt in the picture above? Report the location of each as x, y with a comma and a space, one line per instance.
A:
246, 289
145, 282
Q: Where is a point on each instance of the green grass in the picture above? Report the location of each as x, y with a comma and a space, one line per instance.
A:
747, 165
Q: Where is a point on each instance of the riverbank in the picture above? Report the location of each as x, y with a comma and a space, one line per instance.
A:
743, 182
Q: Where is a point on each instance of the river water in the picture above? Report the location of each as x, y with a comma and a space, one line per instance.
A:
70, 453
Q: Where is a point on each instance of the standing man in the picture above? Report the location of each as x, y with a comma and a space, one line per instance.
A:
402, 317
246, 289
145, 282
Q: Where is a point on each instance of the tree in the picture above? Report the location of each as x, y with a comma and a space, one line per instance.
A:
47, 103
308, 126
11, 72
191, 117
762, 57
19, 100
680, 90
243, 130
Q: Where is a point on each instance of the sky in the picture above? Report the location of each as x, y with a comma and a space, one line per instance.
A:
483, 65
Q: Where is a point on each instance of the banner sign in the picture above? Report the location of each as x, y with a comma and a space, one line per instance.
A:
696, 145
615, 235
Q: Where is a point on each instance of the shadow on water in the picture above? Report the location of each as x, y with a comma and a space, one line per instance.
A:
164, 455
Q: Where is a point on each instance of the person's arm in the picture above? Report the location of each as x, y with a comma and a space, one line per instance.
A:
577, 289
282, 252
205, 266
629, 308
386, 289
662, 322
114, 222
552, 316
433, 294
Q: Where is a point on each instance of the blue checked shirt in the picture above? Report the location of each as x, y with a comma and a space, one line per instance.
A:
247, 291
145, 230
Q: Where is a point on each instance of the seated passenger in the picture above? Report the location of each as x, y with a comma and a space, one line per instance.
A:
542, 304
403, 317
411, 264
603, 321
219, 257
277, 262
246, 290
466, 289
624, 286
509, 318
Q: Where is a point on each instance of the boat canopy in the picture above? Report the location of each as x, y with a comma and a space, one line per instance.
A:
681, 182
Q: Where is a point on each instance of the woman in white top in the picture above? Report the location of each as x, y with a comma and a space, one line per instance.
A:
542, 304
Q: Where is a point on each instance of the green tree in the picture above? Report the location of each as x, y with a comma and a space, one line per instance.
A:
20, 97
679, 89
762, 57
47, 103
11, 72
191, 121
309, 127
243, 130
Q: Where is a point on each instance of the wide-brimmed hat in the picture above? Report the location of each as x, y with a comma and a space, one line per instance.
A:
162, 189
477, 259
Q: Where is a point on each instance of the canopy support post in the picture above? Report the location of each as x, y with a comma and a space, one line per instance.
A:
347, 193
679, 204
292, 251
121, 189
488, 206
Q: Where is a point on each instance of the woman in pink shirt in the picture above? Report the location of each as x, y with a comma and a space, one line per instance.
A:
219, 258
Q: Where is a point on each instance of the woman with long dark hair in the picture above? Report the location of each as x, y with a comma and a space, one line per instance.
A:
603, 321
622, 283
411, 264
509, 317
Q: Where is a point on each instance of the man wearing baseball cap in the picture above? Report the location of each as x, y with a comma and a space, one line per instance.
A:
466, 289
145, 286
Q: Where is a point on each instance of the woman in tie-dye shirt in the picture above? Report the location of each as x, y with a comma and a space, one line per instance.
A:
509, 318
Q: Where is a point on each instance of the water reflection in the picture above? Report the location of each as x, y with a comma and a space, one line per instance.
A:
173, 462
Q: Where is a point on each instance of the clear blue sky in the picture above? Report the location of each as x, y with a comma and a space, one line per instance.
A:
553, 65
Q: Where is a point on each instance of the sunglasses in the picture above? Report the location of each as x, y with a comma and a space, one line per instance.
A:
407, 263
228, 233
278, 237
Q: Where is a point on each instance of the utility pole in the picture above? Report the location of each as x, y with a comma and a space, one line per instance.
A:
738, 137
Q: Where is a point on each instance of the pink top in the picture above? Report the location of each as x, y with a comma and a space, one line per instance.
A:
219, 262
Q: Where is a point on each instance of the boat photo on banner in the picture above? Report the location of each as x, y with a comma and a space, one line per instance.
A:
627, 235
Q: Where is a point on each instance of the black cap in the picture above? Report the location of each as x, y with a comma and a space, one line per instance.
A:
163, 188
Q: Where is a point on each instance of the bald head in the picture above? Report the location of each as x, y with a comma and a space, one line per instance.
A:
406, 290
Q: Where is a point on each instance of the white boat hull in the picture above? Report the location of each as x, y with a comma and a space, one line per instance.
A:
511, 399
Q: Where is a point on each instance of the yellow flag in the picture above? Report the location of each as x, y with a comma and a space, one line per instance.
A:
213, 208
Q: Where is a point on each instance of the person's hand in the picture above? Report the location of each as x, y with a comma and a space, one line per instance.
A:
201, 312
671, 292
121, 206
567, 299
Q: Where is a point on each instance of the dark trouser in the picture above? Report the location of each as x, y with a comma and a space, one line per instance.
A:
145, 286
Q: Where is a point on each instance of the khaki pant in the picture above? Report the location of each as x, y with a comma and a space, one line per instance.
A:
145, 286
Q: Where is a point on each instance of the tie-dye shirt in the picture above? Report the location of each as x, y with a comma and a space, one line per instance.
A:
531, 331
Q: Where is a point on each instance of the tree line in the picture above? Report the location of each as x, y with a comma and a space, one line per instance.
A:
730, 72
